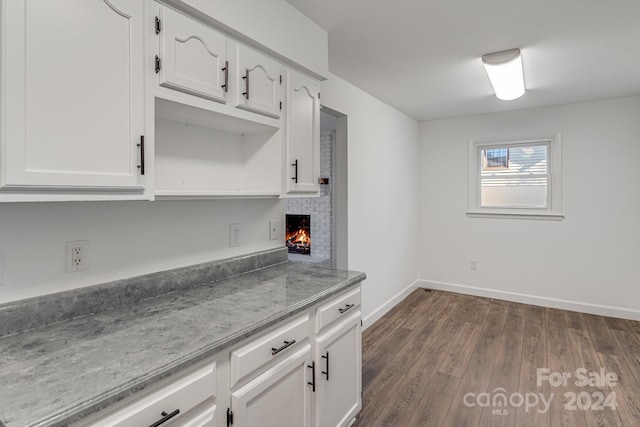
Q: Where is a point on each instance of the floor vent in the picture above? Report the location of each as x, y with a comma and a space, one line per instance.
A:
429, 290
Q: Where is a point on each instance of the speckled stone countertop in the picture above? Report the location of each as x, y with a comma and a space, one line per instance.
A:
59, 373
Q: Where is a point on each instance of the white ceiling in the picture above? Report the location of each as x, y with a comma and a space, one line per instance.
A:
423, 56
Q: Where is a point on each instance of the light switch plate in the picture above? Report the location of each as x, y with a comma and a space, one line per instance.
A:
234, 235
274, 230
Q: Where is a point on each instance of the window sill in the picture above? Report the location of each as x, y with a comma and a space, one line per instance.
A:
548, 216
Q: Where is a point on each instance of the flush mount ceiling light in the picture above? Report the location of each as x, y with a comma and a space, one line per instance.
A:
505, 72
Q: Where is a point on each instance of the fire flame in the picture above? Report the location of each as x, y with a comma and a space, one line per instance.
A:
299, 237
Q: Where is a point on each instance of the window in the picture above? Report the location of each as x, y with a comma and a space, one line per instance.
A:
516, 178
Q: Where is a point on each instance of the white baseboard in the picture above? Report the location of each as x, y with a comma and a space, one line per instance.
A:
370, 319
583, 307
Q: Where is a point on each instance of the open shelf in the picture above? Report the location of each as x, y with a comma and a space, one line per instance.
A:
210, 118
176, 195
202, 154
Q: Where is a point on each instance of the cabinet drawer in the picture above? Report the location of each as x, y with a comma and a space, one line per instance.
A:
261, 351
338, 307
181, 395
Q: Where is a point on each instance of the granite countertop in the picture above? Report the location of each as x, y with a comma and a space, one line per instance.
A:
56, 374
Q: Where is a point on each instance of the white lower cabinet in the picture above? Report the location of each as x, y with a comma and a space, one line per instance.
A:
305, 383
302, 372
280, 397
339, 356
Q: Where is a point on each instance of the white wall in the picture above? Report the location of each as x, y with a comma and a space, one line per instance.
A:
586, 262
125, 239
383, 189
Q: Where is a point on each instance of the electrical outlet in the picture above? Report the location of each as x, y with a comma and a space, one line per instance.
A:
234, 235
1, 268
77, 256
274, 230
473, 264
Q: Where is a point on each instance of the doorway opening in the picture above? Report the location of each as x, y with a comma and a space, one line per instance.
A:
327, 213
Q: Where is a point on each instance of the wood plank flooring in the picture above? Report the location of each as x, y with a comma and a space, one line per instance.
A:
444, 359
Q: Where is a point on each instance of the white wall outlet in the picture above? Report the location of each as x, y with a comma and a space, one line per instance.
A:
473, 264
274, 230
1, 268
234, 235
77, 256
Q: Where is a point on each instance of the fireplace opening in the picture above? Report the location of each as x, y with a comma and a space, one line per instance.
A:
298, 237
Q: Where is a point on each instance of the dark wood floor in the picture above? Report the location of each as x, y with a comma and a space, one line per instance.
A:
428, 361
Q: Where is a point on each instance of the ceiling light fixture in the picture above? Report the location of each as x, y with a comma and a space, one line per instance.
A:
505, 72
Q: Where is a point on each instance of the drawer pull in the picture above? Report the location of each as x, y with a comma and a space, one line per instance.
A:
275, 351
246, 80
313, 376
327, 371
346, 308
225, 86
141, 145
165, 417
295, 168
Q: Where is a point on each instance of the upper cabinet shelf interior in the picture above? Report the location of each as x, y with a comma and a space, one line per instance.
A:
201, 154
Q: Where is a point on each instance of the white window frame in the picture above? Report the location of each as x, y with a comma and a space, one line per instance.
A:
554, 181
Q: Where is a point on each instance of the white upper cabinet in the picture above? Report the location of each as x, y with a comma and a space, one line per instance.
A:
277, 25
258, 82
303, 134
72, 95
192, 57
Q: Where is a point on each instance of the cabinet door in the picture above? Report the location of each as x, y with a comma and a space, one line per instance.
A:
339, 366
73, 93
303, 134
278, 397
258, 82
193, 57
